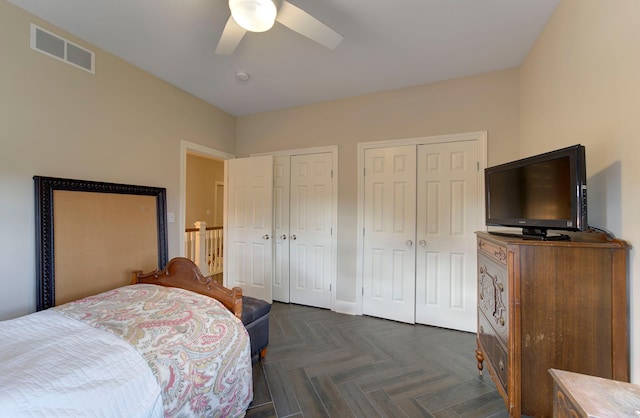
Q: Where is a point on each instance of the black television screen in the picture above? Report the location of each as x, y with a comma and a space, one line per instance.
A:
546, 191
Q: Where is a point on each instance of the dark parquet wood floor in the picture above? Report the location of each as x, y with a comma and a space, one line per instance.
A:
324, 364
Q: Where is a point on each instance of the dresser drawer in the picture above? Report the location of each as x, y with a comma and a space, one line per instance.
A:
493, 295
494, 351
493, 250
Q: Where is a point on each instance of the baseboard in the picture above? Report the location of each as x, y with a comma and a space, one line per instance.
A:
344, 307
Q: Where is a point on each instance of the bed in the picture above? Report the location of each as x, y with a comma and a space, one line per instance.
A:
172, 344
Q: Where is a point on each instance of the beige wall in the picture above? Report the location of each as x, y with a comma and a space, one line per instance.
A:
202, 174
487, 102
120, 125
581, 84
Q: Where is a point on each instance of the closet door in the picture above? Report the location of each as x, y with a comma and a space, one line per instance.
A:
248, 250
310, 229
389, 233
281, 180
447, 217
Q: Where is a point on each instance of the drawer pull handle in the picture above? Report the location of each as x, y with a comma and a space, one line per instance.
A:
501, 321
501, 365
501, 287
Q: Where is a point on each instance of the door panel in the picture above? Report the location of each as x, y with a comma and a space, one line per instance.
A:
310, 229
281, 180
248, 260
389, 235
447, 208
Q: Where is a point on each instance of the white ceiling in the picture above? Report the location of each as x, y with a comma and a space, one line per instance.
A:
387, 44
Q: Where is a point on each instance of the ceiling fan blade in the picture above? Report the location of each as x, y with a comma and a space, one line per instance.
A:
230, 38
302, 22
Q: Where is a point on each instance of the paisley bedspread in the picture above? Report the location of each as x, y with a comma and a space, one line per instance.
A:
197, 350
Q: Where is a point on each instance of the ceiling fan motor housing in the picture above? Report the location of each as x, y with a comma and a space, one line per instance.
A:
254, 15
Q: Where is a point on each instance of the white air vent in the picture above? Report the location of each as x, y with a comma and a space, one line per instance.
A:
61, 49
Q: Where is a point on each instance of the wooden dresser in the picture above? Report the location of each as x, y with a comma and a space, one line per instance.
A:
550, 304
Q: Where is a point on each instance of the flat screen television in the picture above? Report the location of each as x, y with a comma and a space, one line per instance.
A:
539, 193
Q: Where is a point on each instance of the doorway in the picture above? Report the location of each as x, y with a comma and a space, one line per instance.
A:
420, 202
205, 201
304, 225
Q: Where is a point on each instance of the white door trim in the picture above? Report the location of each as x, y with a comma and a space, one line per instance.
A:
333, 149
301, 151
480, 136
187, 147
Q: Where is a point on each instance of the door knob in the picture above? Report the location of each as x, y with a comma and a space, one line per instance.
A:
265, 236
293, 237
283, 236
422, 243
409, 242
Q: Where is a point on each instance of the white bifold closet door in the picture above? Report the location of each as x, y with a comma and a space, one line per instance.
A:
281, 183
447, 218
421, 212
390, 233
303, 197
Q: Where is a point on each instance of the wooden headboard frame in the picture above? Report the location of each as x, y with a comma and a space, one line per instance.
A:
183, 273
44, 204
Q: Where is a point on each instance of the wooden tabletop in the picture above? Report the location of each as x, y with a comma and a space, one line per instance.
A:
598, 397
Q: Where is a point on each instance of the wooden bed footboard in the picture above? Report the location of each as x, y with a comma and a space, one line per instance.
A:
183, 273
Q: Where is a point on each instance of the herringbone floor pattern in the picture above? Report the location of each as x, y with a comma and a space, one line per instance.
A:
324, 364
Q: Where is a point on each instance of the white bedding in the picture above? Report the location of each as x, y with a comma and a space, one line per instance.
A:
136, 351
54, 366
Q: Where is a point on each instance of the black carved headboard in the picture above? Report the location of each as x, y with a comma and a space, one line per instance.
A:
90, 232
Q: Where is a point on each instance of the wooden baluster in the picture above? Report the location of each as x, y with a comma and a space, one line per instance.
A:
200, 258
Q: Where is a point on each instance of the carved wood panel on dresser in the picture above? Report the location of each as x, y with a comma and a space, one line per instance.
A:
550, 304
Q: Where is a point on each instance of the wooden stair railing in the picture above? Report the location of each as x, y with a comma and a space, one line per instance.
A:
204, 246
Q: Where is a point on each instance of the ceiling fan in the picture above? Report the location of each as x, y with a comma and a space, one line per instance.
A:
260, 16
